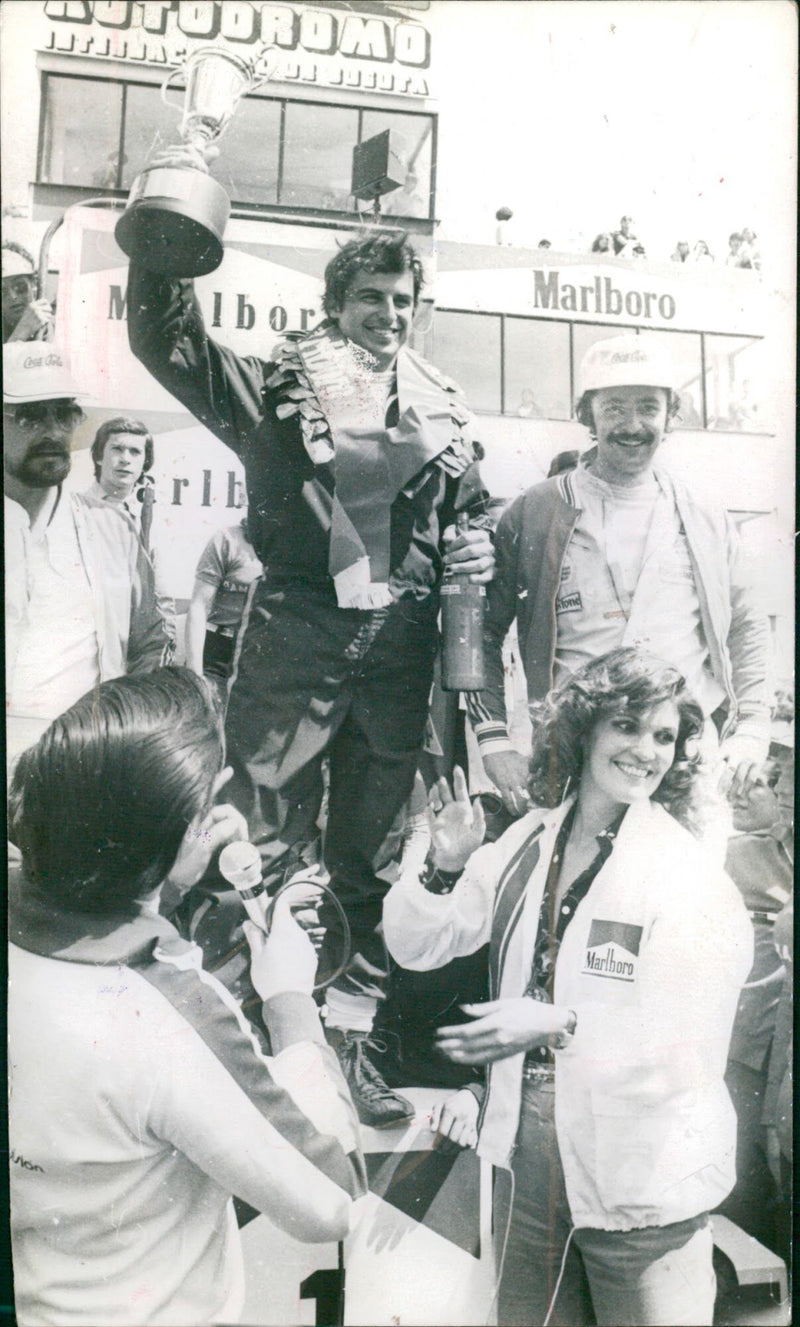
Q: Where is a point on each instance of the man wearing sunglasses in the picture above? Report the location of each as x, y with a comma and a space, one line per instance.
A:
80, 596
25, 318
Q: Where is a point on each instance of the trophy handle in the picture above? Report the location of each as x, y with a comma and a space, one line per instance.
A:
176, 106
265, 67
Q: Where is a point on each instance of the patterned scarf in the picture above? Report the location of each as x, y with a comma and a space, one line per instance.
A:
327, 382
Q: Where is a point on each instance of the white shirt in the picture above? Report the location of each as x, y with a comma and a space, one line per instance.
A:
56, 656
628, 579
130, 505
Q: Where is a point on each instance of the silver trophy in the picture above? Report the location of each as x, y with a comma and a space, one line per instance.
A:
175, 216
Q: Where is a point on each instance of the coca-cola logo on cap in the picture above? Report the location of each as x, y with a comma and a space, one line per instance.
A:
43, 361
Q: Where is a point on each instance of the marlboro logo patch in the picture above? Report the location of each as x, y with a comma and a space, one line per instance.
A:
612, 951
569, 603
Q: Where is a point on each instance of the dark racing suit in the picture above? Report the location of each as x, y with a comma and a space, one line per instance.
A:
312, 679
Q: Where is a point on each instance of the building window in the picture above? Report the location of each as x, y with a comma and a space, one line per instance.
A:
149, 124
99, 134
736, 377
683, 351
466, 346
247, 166
536, 368
413, 137
248, 163
81, 121
682, 348
318, 156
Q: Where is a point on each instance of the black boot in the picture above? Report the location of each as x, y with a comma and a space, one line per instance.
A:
377, 1105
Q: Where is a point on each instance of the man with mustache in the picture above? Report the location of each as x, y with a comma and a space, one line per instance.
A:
618, 552
80, 597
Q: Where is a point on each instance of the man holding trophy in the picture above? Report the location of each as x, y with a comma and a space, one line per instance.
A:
358, 457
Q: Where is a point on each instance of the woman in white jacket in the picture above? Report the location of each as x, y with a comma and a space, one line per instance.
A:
617, 950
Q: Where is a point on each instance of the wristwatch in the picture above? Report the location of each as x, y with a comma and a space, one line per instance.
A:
437, 881
562, 1038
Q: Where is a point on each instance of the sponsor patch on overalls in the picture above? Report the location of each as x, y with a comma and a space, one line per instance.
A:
612, 950
569, 603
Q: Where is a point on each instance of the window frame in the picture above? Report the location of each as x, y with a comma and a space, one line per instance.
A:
284, 101
572, 324
476, 313
44, 103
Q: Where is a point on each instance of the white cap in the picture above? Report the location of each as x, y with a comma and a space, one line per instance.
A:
625, 361
15, 264
36, 371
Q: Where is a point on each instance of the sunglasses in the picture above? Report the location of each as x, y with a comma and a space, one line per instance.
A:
33, 413
19, 287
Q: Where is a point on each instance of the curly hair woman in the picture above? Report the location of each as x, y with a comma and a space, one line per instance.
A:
617, 951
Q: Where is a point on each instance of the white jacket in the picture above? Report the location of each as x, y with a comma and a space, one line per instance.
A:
140, 1102
652, 963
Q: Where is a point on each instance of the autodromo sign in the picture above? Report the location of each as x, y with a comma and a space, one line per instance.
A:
316, 43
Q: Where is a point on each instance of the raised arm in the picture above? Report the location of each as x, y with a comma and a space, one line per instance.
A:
167, 333
279, 1132
444, 911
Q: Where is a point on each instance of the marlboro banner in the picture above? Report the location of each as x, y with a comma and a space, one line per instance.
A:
261, 291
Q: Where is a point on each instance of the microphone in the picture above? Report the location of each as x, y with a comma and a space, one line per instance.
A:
240, 865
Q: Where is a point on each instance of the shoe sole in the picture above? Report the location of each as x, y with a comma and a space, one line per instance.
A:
390, 1124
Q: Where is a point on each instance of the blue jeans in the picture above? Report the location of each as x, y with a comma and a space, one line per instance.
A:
658, 1276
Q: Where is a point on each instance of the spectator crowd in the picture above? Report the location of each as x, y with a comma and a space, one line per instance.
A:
623, 242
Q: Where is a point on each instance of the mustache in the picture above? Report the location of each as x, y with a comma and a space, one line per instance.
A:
47, 447
642, 435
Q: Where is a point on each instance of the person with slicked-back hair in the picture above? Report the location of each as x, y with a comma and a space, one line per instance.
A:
142, 1102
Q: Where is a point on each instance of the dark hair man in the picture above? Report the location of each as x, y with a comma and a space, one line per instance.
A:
618, 552
80, 595
123, 455
24, 317
141, 1102
358, 457
122, 452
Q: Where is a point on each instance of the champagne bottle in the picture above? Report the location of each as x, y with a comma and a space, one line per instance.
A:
462, 628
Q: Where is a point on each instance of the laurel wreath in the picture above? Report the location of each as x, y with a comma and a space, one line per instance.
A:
298, 397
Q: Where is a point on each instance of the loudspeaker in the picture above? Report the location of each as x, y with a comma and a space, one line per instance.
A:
378, 167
